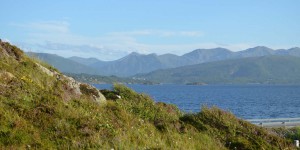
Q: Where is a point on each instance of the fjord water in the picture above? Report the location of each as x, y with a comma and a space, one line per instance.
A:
245, 101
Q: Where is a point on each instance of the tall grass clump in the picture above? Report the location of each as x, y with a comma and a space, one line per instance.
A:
234, 132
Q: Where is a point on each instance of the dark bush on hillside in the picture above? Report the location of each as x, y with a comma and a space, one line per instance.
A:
87, 90
110, 95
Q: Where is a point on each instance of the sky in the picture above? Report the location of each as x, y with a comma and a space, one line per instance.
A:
111, 29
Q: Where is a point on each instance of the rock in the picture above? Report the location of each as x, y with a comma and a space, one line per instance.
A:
46, 70
100, 99
75, 89
7, 50
93, 92
6, 76
72, 83
71, 89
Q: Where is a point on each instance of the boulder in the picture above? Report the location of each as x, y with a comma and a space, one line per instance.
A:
7, 50
73, 88
92, 92
6, 76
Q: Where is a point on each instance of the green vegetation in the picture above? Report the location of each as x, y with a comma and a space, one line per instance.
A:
97, 79
293, 133
39, 111
289, 133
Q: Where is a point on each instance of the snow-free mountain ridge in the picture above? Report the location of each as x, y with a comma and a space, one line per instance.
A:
136, 63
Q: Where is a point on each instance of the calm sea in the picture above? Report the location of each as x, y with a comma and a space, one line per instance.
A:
245, 101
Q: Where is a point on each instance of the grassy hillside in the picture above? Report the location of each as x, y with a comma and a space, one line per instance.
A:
265, 70
39, 109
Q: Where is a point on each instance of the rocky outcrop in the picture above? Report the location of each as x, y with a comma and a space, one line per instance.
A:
9, 50
71, 83
73, 88
6, 76
5, 79
92, 92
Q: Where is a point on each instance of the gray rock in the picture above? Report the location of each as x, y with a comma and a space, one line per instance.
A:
75, 87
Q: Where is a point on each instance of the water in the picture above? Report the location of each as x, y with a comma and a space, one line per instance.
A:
245, 101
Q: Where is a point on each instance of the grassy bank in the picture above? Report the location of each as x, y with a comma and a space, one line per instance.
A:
39, 111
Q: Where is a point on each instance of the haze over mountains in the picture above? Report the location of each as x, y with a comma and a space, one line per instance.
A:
136, 63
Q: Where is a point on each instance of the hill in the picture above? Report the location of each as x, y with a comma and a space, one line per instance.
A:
129, 65
85, 61
258, 70
64, 64
78, 68
41, 108
208, 55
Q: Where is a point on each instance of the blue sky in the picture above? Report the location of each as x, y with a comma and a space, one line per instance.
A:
110, 29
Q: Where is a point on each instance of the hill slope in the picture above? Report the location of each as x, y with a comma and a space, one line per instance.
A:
132, 64
43, 109
266, 69
85, 61
208, 55
64, 64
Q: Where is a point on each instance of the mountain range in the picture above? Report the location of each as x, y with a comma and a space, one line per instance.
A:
253, 70
63, 64
136, 63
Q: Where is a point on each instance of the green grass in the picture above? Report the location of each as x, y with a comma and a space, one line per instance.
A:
34, 113
288, 133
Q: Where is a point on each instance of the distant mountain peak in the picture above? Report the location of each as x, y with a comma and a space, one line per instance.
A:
256, 51
168, 54
259, 48
215, 51
294, 48
262, 47
85, 61
89, 58
218, 49
139, 54
135, 53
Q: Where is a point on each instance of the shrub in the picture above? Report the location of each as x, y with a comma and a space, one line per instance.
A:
110, 95
88, 90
